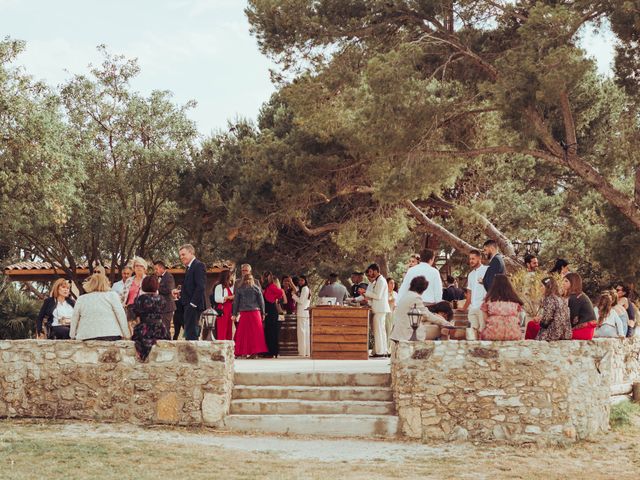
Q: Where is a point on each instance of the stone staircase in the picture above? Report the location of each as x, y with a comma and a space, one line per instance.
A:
315, 403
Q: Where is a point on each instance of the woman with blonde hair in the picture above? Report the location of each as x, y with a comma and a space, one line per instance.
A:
56, 312
99, 314
133, 288
248, 308
609, 322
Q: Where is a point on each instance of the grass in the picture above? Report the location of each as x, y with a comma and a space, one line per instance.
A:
623, 413
48, 451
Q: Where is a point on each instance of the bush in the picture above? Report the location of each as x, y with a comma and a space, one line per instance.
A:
18, 313
622, 414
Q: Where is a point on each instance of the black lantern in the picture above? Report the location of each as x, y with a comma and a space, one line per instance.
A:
208, 321
517, 243
414, 320
536, 243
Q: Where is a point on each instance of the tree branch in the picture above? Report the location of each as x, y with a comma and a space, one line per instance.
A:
313, 232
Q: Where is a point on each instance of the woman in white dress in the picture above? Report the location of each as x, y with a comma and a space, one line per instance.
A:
303, 300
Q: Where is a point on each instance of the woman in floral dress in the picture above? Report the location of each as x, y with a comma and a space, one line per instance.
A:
501, 309
554, 323
149, 307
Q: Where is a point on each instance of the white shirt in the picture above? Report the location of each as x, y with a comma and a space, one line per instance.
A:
62, 310
302, 302
219, 293
118, 287
378, 295
477, 289
433, 293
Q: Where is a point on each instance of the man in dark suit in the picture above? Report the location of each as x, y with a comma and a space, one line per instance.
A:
496, 264
167, 284
192, 293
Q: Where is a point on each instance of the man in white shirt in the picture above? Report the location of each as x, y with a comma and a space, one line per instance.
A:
433, 293
118, 287
377, 294
475, 290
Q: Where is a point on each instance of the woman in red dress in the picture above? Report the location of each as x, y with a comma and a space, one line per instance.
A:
248, 309
222, 299
272, 295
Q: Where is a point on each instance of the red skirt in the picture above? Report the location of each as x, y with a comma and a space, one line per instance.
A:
584, 331
250, 334
224, 324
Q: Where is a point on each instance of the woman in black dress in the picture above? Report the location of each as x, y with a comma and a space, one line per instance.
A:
149, 307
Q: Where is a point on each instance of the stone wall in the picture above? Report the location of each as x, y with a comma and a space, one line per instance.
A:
515, 391
183, 383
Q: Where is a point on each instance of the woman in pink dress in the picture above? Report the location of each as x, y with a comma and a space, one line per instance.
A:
501, 308
248, 309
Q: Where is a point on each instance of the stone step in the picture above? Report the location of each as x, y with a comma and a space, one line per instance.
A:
313, 378
321, 425
303, 392
271, 406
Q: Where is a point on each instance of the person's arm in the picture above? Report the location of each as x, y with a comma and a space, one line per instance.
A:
41, 315
167, 284
75, 317
548, 312
619, 324
429, 317
121, 316
200, 280
487, 280
218, 294
378, 292
437, 279
260, 301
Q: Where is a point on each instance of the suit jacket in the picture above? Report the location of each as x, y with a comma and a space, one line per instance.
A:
496, 266
378, 295
194, 285
167, 284
402, 330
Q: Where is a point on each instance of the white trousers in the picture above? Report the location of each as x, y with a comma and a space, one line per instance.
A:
304, 335
476, 318
380, 333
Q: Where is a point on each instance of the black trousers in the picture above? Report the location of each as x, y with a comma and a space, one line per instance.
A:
178, 320
272, 329
191, 320
107, 339
60, 332
167, 317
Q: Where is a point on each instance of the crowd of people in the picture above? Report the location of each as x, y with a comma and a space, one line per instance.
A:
249, 310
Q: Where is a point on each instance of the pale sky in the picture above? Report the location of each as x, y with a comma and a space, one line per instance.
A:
198, 49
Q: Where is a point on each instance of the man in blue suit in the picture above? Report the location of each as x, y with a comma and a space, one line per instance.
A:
192, 294
496, 264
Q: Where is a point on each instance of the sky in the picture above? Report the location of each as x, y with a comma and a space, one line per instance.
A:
198, 49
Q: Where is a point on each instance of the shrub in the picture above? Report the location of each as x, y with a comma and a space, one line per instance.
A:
18, 313
622, 414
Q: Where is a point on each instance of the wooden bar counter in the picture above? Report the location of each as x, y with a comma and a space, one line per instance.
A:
340, 333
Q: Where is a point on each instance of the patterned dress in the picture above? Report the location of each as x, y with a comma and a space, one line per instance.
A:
555, 323
149, 308
502, 321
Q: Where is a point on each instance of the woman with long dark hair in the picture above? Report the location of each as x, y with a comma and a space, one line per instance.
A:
554, 323
222, 302
583, 318
561, 267
303, 300
501, 309
272, 294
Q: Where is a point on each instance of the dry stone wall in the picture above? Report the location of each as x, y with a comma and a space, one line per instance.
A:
182, 383
515, 391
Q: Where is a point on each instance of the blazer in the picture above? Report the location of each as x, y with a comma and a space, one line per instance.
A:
496, 266
378, 295
46, 312
402, 330
194, 284
167, 284
99, 314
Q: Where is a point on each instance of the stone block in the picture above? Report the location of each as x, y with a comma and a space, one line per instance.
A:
85, 356
411, 424
214, 408
167, 408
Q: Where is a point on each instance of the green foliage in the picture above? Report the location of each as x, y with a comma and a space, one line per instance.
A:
18, 313
623, 413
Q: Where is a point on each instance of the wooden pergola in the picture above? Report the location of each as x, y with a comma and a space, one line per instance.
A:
46, 272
